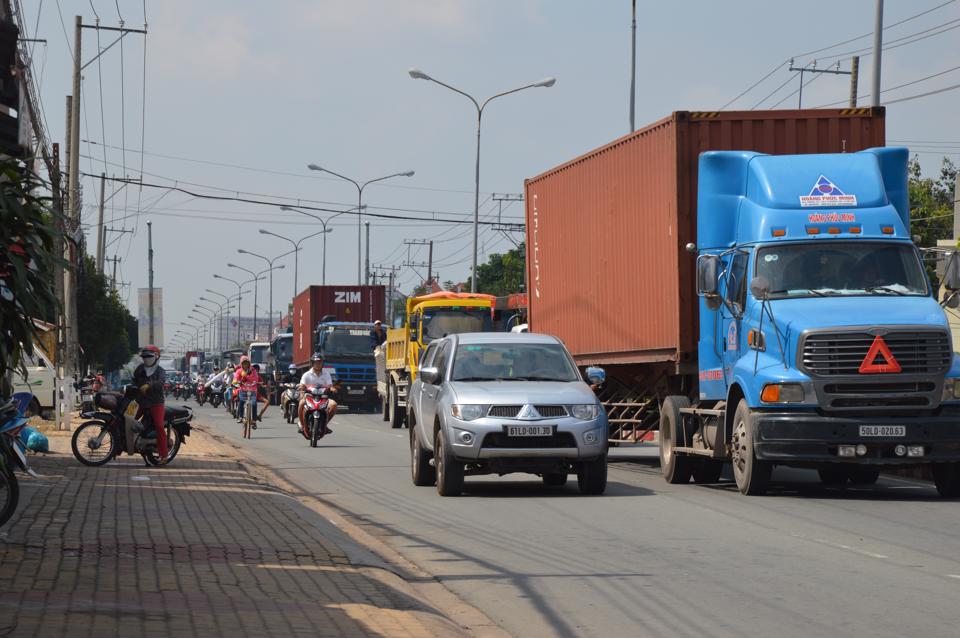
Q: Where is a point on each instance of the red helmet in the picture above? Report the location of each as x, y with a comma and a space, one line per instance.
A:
151, 349
244, 359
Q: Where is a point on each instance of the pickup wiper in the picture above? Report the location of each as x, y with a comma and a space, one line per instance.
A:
874, 289
476, 379
547, 379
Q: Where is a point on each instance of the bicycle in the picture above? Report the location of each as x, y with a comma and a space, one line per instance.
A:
248, 418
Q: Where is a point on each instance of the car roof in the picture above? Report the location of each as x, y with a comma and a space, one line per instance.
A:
504, 337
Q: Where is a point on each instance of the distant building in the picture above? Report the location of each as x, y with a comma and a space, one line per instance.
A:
143, 316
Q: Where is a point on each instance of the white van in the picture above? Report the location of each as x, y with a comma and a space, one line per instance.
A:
41, 380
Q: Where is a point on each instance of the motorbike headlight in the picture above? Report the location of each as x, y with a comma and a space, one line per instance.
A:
468, 411
586, 412
951, 390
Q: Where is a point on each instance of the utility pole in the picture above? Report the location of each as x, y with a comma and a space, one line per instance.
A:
366, 257
150, 276
113, 278
877, 52
429, 264
69, 282
814, 69
101, 233
59, 272
956, 209
390, 296
854, 79
633, 65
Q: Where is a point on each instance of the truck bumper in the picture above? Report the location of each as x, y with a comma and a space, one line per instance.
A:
810, 437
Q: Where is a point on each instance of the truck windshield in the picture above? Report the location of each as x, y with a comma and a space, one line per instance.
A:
283, 351
347, 342
513, 362
818, 269
440, 322
258, 354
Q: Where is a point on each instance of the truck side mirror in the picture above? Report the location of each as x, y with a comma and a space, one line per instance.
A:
760, 288
951, 273
708, 266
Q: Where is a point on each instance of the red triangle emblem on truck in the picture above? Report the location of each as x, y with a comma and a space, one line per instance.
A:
879, 359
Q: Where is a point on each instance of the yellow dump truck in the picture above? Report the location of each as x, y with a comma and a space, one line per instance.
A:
428, 317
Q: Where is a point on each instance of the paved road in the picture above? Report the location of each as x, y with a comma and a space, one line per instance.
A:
646, 559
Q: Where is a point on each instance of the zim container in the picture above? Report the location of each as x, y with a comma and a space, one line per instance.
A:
345, 303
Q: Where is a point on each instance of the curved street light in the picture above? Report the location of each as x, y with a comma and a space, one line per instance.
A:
296, 247
239, 299
360, 186
417, 74
270, 268
324, 233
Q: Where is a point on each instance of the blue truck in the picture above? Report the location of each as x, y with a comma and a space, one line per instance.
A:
347, 349
821, 341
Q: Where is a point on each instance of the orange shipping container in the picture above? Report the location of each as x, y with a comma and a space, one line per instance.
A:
607, 271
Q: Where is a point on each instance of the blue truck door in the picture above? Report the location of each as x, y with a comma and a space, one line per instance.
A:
731, 312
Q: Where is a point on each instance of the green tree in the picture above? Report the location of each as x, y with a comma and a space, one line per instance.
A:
27, 262
104, 322
503, 272
931, 207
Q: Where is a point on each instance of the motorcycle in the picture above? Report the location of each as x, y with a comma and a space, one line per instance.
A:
316, 402
289, 402
201, 393
112, 430
232, 401
216, 394
12, 452
85, 387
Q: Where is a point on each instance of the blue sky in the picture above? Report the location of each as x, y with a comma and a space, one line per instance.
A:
275, 86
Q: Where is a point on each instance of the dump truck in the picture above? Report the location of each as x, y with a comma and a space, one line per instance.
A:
428, 317
755, 295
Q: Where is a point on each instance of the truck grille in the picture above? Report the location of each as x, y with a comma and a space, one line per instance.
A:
356, 373
842, 353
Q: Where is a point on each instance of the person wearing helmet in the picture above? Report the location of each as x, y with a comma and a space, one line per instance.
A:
247, 378
316, 376
596, 377
150, 377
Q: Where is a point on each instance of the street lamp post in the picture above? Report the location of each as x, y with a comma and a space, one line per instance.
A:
324, 233
209, 318
270, 268
417, 74
196, 328
239, 299
215, 312
360, 187
256, 287
220, 341
296, 247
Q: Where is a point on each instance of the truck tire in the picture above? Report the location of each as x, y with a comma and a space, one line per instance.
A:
676, 468
385, 404
422, 473
946, 476
449, 470
707, 471
592, 477
396, 415
752, 475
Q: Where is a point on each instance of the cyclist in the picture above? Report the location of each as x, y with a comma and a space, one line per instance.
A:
247, 379
316, 376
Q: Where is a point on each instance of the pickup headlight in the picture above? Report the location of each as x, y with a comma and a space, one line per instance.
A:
468, 412
951, 390
586, 412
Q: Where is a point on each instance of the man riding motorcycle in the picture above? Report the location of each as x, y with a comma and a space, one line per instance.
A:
316, 376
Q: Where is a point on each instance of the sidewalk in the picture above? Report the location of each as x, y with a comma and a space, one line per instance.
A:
196, 549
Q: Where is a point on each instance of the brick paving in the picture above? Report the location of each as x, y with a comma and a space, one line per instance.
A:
199, 548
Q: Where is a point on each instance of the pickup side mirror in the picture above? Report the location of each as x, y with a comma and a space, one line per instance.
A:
430, 375
760, 288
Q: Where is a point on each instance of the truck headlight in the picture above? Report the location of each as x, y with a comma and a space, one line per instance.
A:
951, 390
586, 412
782, 393
467, 411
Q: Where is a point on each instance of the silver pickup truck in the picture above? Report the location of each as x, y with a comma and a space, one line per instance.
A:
496, 403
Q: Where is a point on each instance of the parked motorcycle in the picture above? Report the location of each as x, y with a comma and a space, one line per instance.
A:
12, 452
289, 402
316, 402
113, 430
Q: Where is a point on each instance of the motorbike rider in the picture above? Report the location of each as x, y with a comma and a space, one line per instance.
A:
248, 380
150, 377
596, 377
316, 376
290, 376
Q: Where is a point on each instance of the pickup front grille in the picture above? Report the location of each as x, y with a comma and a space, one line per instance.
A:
842, 353
551, 411
511, 411
504, 411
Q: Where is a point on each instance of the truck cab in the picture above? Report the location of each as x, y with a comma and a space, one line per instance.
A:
347, 348
821, 342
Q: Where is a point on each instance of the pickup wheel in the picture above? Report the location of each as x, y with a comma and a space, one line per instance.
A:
752, 475
676, 468
396, 416
422, 473
946, 476
592, 477
449, 470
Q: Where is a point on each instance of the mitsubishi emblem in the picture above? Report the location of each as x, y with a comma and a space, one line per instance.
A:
528, 413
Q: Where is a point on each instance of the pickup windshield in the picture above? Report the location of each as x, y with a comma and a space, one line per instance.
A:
347, 342
513, 362
819, 269
438, 323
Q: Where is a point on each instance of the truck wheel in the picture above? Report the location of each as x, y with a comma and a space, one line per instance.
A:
396, 416
864, 476
385, 404
751, 474
421, 471
449, 470
592, 477
707, 471
946, 476
676, 468
834, 475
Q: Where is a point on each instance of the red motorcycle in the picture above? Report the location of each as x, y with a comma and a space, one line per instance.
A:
316, 400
